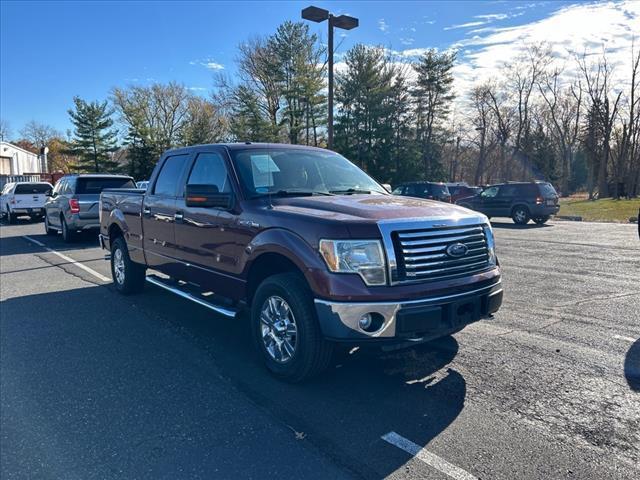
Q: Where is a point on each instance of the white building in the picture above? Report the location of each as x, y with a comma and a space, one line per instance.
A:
18, 161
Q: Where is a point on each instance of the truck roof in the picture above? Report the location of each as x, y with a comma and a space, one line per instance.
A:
245, 146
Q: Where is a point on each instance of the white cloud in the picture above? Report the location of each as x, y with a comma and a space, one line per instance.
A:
466, 25
493, 16
407, 41
383, 26
213, 65
568, 31
208, 63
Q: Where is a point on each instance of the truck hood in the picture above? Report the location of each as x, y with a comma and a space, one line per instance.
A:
369, 207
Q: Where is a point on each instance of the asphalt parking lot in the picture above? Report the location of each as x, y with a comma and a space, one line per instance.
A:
97, 385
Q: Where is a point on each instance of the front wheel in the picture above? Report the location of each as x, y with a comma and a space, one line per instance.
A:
520, 215
11, 217
542, 220
128, 276
47, 228
286, 330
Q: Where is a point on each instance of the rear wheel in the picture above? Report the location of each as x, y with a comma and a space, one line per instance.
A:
67, 235
128, 276
542, 220
286, 330
520, 215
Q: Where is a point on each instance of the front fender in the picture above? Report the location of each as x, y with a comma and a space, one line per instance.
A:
291, 246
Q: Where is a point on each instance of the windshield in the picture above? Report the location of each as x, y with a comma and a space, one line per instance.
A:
26, 188
275, 170
96, 185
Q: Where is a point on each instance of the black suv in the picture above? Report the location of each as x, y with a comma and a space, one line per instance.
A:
429, 190
522, 202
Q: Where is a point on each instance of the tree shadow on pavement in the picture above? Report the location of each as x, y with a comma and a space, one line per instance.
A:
632, 366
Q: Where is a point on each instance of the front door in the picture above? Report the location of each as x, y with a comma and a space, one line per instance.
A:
202, 233
487, 202
159, 215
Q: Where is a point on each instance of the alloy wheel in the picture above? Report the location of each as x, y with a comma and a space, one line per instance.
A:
278, 329
118, 266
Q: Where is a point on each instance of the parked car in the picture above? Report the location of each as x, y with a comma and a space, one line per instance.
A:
462, 190
522, 201
428, 190
143, 184
308, 243
24, 198
73, 204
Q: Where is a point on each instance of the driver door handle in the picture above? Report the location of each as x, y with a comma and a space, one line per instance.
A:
146, 211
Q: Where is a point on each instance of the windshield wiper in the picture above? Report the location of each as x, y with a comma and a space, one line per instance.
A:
294, 193
350, 191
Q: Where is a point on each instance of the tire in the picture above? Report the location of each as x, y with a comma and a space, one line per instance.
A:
520, 215
67, 235
128, 276
47, 229
310, 353
542, 220
11, 217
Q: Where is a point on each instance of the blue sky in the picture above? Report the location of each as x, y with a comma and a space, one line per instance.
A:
51, 51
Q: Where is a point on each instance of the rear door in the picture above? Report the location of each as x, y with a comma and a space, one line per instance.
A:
159, 215
505, 199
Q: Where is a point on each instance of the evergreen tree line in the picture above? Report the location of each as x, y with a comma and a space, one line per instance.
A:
571, 124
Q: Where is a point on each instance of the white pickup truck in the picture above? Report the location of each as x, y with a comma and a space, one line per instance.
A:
24, 198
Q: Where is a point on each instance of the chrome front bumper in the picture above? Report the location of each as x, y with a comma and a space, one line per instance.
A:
422, 319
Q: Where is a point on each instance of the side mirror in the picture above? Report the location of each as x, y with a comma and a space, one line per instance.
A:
48, 193
207, 196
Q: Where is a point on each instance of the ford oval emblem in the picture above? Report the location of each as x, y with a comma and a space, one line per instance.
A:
457, 250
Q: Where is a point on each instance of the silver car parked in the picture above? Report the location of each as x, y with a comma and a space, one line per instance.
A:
73, 204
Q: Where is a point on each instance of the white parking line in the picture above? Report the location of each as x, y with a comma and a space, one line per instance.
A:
622, 337
69, 259
429, 458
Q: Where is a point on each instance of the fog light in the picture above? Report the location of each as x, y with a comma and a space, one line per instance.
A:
365, 321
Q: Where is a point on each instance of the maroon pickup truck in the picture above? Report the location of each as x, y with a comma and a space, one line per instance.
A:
315, 249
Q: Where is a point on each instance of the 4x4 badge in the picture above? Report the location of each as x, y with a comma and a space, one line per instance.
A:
457, 250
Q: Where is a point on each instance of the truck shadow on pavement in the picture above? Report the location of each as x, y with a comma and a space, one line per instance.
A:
16, 244
632, 366
153, 361
509, 225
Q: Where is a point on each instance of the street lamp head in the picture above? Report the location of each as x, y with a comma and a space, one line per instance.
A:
315, 14
345, 22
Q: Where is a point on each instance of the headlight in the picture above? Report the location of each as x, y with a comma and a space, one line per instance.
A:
491, 246
364, 257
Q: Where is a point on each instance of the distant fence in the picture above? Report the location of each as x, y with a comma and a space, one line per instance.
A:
52, 178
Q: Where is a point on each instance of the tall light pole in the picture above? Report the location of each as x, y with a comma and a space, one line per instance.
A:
345, 22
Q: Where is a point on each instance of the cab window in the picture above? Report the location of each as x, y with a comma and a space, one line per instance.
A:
167, 182
210, 169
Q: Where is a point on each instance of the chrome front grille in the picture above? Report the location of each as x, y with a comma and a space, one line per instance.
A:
421, 254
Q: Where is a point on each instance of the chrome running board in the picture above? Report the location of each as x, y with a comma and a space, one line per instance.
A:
165, 283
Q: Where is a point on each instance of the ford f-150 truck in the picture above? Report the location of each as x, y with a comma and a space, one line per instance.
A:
316, 250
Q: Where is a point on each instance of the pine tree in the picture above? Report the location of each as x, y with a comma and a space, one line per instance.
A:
93, 138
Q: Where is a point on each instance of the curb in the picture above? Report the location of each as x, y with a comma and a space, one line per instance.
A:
571, 218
